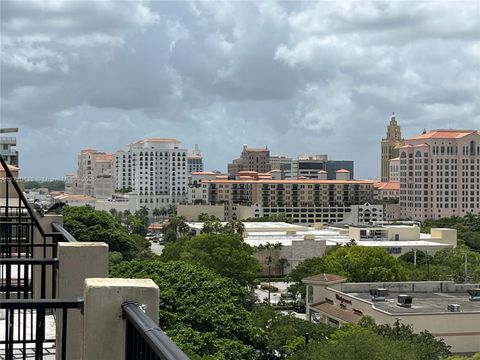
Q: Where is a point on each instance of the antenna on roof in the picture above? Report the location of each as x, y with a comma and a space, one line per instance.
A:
424, 131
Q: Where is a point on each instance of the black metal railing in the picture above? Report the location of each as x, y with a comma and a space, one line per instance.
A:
145, 340
16, 278
28, 275
26, 324
61, 234
18, 223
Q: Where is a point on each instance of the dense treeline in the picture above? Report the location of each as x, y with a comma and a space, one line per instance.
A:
468, 228
88, 224
363, 264
52, 185
207, 303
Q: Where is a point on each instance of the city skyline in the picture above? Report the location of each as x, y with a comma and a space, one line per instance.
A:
301, 78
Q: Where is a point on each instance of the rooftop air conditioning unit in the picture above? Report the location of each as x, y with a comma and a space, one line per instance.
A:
474, 294
453, 308
379, 294
404, 301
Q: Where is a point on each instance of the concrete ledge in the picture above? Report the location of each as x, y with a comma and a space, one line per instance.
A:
104, 327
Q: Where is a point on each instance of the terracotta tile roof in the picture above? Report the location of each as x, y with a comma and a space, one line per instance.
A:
11, 168
69, 174
155, 140
256, 149
104, 157
445, 134
224, 179
325, 278
203, 173
337, 312
322, 172
194, 156
387, 186
343, 171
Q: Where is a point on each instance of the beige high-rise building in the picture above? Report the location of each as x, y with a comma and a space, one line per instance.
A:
440, 174
251, 159
389, 147
94, 175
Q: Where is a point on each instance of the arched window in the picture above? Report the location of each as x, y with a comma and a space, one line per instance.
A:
418, 154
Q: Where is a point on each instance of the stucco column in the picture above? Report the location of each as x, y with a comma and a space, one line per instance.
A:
104, 328
77, 261
38, 253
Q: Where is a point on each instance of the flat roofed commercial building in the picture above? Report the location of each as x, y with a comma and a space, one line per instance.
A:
443, 308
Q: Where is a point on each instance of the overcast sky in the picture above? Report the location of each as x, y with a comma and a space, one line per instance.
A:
300, 77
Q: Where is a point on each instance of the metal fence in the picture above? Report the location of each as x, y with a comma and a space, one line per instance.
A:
145, 340
33, 320
26, 322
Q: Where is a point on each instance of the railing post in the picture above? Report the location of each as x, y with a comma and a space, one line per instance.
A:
104, 328
77, 261
40, 252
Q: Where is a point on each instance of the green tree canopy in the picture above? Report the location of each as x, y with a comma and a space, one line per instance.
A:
226, 254
429, 347
353, 342
357, 263
88, 224
205, 314
468, 228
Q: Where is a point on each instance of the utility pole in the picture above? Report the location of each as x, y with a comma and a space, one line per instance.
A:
415, 257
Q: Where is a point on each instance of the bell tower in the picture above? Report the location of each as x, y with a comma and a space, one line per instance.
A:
388, 147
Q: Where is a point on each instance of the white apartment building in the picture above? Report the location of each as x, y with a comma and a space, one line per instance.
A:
155, 169
440, 174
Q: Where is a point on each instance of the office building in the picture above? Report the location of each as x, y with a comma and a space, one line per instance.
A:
195, 160
440, 174
389, 148
155, 169
308, 166
277, 161
251, 159
7, 145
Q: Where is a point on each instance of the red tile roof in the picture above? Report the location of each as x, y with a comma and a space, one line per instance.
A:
343, 171
337, 312
224, 180
387, 186
445, 134
155, 140
11, 168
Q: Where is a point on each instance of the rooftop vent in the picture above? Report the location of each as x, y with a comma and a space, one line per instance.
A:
404, 301
453, 308
474, 294
378, 294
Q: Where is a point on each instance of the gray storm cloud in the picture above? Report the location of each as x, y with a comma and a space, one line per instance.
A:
300, 77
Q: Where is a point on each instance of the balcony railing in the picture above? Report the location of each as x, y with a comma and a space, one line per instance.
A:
34, 323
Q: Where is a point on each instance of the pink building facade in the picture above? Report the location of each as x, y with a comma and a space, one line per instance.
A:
440, 174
